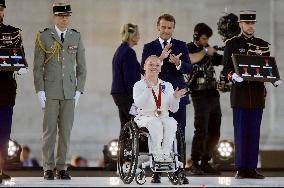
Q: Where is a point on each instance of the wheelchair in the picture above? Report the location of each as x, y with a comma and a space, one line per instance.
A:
129, 152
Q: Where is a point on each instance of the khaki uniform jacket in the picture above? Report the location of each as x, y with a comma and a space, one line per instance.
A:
59, 69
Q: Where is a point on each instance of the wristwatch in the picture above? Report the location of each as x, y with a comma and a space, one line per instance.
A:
206, 51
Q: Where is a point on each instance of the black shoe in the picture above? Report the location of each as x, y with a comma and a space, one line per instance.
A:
6, 176
185, 180
156, 177
63, 175
196, 170
241, 174
253, 174
48, 175
208, 169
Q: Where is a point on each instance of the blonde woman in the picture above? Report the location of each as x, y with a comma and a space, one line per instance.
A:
125, 71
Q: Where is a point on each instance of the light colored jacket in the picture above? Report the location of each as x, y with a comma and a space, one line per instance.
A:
145, 102
59, 69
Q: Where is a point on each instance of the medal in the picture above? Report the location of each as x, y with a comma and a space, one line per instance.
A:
158, 111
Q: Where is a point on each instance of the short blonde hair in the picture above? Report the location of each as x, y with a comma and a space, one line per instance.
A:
128, 31
153, 57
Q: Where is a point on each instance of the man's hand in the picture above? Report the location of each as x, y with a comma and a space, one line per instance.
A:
22, 71
179, 93
237, 78
277, 83
77, 96
175, 59
42, 98
211, 51
166, 52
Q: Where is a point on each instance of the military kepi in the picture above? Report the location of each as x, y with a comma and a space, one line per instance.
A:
61, 8
2, 3
248, 15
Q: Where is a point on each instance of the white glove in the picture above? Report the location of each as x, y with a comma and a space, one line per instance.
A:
133, 110
22, 71
77, 96
237, 78
277, 83
42, 98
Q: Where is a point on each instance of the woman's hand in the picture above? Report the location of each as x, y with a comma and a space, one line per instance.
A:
179, 93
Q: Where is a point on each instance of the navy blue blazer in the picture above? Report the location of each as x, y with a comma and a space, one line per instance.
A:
169, 71
125, 70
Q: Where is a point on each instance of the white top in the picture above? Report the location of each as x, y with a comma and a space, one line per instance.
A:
145, 102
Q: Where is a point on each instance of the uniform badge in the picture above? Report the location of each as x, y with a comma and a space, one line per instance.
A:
7, 37
72, 47
242, 50
258, 51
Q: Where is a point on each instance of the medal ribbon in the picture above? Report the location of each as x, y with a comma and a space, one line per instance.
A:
158, 100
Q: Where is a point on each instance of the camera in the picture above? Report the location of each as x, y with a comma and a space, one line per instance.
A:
223, 84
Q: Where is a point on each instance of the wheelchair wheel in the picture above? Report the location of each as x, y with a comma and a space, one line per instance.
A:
140, 178
128, 152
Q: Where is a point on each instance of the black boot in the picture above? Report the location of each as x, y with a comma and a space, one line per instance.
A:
0, 175
5, 176
208, 169
241, 174
253, 174
196, 169
63, 175
184, 179
156, 177
48, 175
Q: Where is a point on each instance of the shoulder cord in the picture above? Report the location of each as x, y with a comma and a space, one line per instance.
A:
55, 48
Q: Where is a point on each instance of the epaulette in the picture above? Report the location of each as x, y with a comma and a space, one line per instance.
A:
230, 39
44, 30
12, 28
75, 30
263, 41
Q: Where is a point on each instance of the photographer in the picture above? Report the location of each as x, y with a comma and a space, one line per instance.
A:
205, 98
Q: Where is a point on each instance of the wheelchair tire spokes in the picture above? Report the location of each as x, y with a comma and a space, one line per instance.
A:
128, 152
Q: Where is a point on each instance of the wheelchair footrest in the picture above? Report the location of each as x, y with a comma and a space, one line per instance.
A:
162, 167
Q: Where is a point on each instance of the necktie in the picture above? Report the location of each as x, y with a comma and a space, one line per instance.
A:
165, 43
62, 38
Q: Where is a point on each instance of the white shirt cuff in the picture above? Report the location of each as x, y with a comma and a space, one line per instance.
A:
179, 66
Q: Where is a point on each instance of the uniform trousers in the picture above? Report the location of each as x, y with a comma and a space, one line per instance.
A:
6, 113
246, 132
58, 119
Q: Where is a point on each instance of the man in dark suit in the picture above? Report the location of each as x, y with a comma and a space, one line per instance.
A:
174, 66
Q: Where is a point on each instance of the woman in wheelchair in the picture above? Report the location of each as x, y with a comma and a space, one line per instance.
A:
154, 98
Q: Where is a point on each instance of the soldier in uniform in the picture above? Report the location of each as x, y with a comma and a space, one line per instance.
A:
247, 97
10, 37
59, 79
